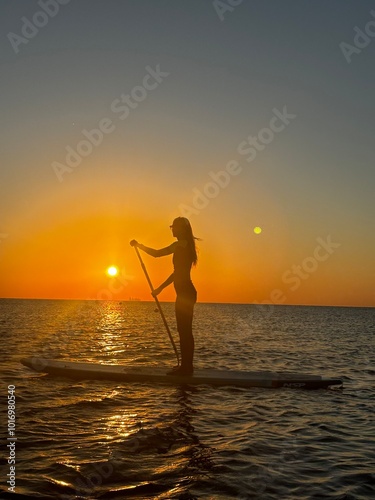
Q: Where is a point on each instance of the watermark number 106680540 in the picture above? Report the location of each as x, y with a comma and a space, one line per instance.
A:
11, 475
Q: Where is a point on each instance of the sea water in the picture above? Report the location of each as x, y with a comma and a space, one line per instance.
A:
109, 440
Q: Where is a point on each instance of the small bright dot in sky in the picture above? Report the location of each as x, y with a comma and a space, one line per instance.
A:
257, 230
112, 271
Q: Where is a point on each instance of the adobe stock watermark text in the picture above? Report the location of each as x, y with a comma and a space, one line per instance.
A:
122, 107
31, 27
249, 148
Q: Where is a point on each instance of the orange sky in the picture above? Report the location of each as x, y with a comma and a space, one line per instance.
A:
69, 242
242, 122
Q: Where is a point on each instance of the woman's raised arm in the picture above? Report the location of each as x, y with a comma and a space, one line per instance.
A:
154, 252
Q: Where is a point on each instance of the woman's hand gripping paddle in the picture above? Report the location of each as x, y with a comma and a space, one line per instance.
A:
158, 304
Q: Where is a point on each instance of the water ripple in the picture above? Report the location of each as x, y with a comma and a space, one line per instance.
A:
105, 440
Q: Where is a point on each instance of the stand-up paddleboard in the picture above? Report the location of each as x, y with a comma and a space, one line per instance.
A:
157, 375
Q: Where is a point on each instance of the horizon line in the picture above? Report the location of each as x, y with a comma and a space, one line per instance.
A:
200, 302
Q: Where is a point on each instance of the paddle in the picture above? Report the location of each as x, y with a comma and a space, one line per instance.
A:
158, 304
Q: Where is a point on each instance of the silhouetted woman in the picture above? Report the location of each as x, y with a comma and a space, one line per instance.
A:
184, 256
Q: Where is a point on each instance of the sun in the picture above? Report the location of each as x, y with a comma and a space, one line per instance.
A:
112, 271
257, 230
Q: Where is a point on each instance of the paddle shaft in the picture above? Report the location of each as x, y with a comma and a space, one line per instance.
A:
158, 304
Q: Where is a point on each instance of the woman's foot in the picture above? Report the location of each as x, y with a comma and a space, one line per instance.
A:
181, 371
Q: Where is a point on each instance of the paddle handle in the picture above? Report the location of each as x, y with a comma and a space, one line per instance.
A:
158, 304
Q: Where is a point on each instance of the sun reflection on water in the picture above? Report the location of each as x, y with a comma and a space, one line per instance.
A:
122, 424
